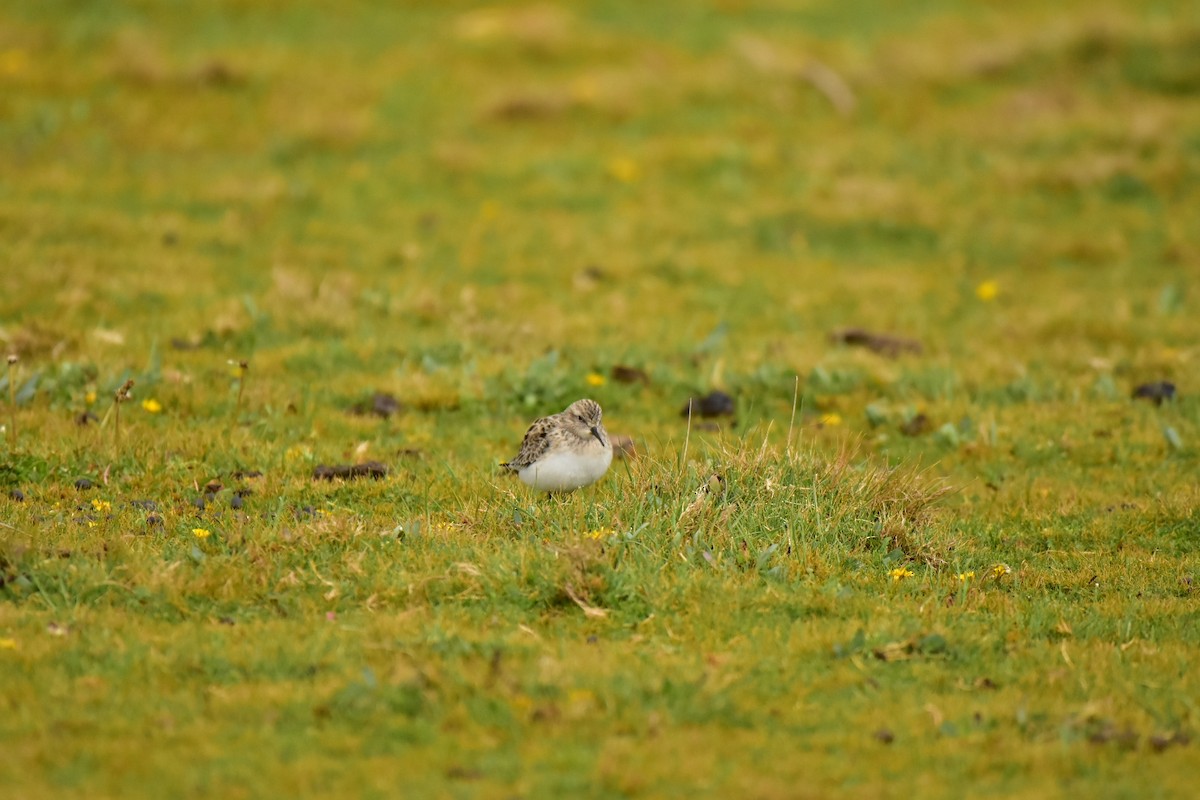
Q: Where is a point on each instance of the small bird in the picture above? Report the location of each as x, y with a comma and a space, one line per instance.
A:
564, 451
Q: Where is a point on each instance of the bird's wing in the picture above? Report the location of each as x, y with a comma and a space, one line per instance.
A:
536, 443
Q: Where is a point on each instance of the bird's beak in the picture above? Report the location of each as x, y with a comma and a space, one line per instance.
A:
596, 433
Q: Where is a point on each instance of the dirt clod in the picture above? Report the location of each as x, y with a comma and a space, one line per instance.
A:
623, 374
244, 474
918, 425
714, 404
1156, 392
886, 344
381, 404
368, 469
623, 446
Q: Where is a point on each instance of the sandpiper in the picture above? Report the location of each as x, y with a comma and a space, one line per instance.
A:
564, 451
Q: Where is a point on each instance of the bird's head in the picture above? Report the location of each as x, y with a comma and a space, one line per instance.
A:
584, 418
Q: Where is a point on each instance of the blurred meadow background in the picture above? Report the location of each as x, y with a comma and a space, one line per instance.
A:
940, 258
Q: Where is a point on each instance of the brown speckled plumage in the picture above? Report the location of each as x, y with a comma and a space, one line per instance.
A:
564, 451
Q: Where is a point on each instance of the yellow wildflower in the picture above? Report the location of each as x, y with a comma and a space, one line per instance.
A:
966, 576
152, 405
900, 573
102, 505
523, 704
987, 291
90, 397
585, 90
599, 533
8, 644
831, 419
594, 379
624, 169
297, 452
201, 533
1000, 570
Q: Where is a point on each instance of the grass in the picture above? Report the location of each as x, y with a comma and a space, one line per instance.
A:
969, 570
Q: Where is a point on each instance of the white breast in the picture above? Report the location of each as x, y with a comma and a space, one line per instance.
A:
564, 471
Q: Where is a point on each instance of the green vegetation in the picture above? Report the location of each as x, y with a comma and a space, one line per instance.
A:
966, 571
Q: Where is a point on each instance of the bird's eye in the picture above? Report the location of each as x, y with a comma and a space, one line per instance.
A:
580, 418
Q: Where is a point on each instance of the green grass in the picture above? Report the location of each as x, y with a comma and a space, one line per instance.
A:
479, 211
